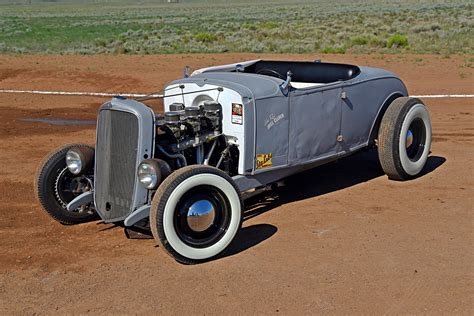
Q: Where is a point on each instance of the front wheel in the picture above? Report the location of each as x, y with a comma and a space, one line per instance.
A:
196, 213
56, 186
404, 138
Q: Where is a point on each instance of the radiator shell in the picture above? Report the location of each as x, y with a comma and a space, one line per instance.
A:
125, 133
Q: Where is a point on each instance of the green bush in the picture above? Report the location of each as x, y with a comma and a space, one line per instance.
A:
360, 40
205, 37
377, 42
101, 42
268, 25
397, 40
249, 26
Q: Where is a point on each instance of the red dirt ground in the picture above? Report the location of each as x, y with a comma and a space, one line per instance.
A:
339, 239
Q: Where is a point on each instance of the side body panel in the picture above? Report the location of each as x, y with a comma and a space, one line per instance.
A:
360, 109
314, 124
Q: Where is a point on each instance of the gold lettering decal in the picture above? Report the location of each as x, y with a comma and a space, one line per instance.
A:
264, 161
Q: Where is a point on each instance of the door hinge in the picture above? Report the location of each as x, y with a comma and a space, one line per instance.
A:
343, 95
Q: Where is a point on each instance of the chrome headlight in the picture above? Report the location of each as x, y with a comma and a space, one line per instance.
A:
151, 172
73, 161
78, 159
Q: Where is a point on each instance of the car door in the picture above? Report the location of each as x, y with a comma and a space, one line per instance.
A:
315, 122
272, 121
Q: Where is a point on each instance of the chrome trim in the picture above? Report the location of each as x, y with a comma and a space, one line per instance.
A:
137, 215
82, 199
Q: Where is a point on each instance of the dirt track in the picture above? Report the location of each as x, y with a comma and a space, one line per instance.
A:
339, 239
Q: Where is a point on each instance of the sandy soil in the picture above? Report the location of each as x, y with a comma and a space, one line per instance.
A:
339, 239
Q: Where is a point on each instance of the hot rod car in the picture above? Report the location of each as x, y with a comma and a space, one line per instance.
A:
225, 131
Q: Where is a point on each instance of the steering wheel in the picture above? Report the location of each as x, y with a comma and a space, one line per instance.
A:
270, 72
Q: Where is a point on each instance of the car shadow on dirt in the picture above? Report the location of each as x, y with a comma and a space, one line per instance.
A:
249, 237
325, 179
309, 184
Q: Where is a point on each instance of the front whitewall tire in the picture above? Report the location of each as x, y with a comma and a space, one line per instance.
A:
170, 196
168, 217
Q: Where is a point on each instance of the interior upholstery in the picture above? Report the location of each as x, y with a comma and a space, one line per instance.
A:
312, 72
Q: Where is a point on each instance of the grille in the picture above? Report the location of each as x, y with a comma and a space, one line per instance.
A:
115, 166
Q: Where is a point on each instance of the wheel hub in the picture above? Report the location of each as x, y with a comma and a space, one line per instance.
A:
200, 215
415, 140
67, 187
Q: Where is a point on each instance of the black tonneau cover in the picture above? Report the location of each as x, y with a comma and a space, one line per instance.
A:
302, 71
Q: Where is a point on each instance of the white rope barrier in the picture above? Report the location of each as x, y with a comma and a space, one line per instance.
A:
138, 95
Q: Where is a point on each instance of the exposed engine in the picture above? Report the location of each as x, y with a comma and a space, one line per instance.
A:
193, 135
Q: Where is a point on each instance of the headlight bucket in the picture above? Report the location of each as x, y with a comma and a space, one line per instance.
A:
151, 172
79, 159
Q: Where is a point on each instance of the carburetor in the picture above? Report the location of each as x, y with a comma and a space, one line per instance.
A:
192, 119
212, 114
173, 123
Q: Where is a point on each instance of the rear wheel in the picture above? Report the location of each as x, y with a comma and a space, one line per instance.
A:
196, 213
404, 138
56, 186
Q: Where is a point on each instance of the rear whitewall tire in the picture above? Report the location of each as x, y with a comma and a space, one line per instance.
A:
406, 118
164, 209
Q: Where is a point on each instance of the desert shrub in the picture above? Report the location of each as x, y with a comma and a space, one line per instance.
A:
377, 42
249, 26
360, 40
341, 35
397, 40
333, 50
420, 28
435, 26
268, 25
205, 37
101, 42
257, 47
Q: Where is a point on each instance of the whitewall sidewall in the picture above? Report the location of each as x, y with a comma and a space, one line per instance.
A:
169, 213
412, 168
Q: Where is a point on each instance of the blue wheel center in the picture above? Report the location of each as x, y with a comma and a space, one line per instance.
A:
409, 139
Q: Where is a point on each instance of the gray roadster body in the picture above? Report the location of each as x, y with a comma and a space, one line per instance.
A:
226, 131
327, 111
